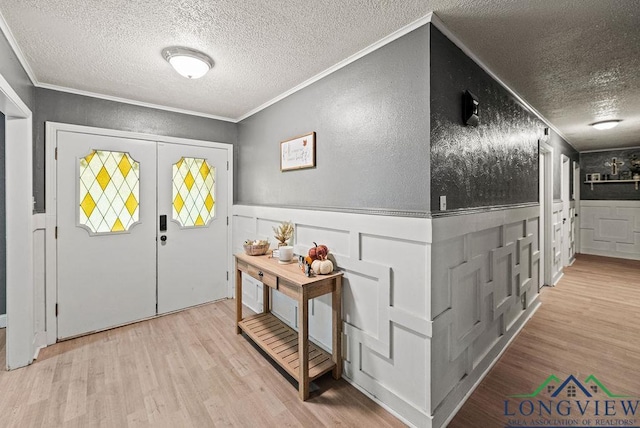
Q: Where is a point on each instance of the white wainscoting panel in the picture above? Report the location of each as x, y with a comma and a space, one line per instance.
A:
610, 228
557, 241
485, 273
386, 297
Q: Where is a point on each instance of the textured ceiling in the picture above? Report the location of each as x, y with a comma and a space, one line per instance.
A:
576, 62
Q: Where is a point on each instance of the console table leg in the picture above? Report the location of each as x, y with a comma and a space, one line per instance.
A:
303, 346
336, 306
238, 300
266, 307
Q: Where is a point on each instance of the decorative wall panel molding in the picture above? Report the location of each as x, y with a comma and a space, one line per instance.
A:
610, 228
485, 269
386, 298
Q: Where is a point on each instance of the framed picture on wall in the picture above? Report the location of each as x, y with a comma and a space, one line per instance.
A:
587, 177
298, 152
595, 176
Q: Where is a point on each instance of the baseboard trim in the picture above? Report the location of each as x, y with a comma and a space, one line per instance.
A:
557, 279
378, 402
3, 321
493, 362
614, 254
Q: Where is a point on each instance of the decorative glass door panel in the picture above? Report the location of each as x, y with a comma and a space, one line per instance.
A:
193, 192
109, 191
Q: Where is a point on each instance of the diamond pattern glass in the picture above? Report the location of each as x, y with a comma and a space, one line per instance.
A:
109, 191
193, 192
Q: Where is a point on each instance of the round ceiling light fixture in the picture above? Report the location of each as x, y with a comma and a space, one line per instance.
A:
190, 63
606, 124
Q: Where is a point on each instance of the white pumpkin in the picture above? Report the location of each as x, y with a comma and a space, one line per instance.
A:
322, 267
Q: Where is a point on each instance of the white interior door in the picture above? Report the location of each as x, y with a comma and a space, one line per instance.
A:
106, 225
193, 195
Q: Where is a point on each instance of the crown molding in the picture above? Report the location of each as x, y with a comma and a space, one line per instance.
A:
133, 102
375, 46
440, 25
8, 34
611, 149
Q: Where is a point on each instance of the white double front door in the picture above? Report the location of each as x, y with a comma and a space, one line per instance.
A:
142, 229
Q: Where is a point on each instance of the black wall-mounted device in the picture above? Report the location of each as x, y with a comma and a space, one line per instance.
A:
470, 107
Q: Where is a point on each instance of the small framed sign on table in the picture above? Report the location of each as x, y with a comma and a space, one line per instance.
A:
298, 152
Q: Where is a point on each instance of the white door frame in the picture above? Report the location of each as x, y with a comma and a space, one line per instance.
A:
20, 333
565, 195
576, 199
546, 212
51, 142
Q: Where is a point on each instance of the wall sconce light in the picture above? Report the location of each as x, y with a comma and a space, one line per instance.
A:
190, 63
606, 124
470, 107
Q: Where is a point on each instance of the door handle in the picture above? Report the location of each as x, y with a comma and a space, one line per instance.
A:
163, 238
564, 220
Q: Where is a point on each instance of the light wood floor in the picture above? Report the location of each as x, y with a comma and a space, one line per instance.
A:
588, 324
188, 369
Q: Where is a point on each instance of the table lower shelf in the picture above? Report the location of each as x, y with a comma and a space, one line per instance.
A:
281, 342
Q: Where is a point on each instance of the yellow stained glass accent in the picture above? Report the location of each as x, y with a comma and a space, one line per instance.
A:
209, 202
117, 226
131, 204
189, 180
193, 192
178, 203
103, 178
87, 205
124, 165
204, 170
109, 191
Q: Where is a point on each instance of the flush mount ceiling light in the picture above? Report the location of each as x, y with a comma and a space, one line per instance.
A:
190, 63
606, 124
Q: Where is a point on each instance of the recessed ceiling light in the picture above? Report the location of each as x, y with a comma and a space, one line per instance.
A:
190, 63
606, 124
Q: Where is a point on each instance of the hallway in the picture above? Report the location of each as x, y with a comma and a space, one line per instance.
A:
586, 325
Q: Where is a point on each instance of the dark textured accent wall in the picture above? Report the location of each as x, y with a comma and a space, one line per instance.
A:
595, 162
12, 71
372, 130
561, 147
3, 222
81, 110
493, 164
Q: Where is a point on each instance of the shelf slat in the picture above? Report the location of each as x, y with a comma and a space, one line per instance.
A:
281, 342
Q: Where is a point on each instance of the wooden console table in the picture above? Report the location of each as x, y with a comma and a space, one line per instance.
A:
290, 349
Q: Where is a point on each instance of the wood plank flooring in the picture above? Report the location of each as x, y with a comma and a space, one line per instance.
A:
187, 369
588, 324
191, 370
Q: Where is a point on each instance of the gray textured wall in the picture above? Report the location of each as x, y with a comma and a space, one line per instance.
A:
371, 120
3, 223
493, 164
561, 147
13, 72
595, 162
80, 110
